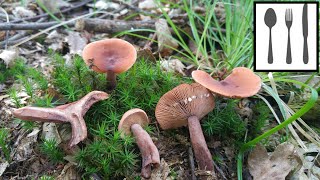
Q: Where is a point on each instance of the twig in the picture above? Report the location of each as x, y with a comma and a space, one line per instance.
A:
53, 27
3, 16
111, 26
21, 35
219, 170
191, 161
57, 13
7, 32
29, 26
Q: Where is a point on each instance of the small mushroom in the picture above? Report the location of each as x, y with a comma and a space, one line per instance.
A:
72, 113
133, 121
110, 56
241, 83
185, 105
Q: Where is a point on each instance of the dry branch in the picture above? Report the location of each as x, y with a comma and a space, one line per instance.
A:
28, 26
111, 26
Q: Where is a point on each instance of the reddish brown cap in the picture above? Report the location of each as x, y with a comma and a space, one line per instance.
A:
114, 55
176, 106
242, 82
133, 116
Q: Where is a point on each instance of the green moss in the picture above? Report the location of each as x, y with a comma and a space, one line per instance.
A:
261, 113
225, 122
50, 149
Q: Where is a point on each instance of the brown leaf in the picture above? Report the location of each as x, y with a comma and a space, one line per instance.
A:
275, 166
165, 40
173, 65
76, 42
161, 172
8, 56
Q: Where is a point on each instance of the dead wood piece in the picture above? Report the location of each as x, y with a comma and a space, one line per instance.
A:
28, 26
72, 113
111, 26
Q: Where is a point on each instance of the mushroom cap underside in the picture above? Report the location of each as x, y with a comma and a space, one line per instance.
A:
133, 116
176, 106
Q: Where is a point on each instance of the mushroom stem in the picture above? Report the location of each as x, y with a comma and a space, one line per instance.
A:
111, 80
199, 145
149, 152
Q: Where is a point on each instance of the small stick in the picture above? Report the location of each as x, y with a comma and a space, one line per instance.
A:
111, 26
219, 170
191, 161
28, 26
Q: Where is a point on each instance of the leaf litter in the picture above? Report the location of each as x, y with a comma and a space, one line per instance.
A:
276, 165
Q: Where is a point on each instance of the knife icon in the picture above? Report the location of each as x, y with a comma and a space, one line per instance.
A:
305, 33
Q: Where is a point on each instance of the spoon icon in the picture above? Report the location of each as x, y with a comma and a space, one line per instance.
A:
270, 19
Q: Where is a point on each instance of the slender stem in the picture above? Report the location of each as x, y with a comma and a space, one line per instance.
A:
111, 80
199, 145
149, 152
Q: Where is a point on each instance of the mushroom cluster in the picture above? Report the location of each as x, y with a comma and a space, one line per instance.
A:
185, 105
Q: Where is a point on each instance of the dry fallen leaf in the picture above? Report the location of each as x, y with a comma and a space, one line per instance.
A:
69, 172
25, 146
165, 39
147, 5
54, 6
76, 42
275, 166
173, 65
55, 39
161, 172
3, 167
22, 12
8, 56
50, 131
105, 5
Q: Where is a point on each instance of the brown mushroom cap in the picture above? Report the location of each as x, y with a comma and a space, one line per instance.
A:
176, 106
114, 55
242, 82
133, 116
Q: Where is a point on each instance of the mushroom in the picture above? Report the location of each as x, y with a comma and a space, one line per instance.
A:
72, 113
133, 121
185, 105
242, 82
110, 56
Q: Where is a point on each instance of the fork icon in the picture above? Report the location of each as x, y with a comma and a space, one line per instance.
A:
288, 18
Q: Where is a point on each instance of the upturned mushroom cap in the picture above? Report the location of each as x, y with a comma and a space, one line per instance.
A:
241, 83
176, 106
114, 55
133, 116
